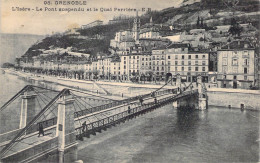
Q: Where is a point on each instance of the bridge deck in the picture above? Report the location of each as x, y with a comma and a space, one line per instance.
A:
98, 120
28, 143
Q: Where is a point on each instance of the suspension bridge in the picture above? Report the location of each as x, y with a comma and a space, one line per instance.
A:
69, 116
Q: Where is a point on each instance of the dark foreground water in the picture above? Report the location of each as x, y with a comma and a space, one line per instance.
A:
169, 135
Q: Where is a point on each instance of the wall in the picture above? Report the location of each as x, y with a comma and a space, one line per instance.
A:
234, 98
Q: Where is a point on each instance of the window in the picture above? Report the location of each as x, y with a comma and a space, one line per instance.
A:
182, 68
176, 62
189, 56
224, 69
169, 62
235, 69
189, 63
182, 56
235, 77
203, 69
203, 63
176, 68
234, 62
176, 56
196, 68
196, 56
162, 63
245, 77
245, 70
162, 68
224, 61
169, 68
124, 62
189, 68
169, 57
124, 67
225, 77
133, 57
137, 57
157, 68
203, 56
196, 62
245, 62
182, 62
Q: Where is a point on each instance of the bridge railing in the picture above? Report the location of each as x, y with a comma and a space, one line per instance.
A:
97, 125
117, 103
45, 124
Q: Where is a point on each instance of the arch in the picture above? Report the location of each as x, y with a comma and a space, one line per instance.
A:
168, 75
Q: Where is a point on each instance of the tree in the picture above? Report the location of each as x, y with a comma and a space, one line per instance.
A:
198, 22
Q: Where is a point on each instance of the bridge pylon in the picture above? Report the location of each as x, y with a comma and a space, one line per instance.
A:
28, 109
65, 130
203, 98
178, 83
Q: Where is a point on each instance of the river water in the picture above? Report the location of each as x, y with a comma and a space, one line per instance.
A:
168, 135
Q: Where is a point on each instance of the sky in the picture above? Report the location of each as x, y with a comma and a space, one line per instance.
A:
47, 22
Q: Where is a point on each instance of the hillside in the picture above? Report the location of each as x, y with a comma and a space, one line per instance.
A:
97, 39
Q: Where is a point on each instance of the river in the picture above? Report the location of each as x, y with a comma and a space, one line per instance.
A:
168, 135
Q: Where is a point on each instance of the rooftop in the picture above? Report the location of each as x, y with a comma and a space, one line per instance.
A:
238, 45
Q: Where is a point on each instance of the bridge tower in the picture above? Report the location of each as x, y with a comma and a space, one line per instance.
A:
65, 130
28, 109
178, 83
203, 98
176, 104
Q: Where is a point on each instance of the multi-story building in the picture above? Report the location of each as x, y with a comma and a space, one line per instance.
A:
236, 65
158, 63
188, 64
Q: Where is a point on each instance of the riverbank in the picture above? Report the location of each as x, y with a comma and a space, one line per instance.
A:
220, 97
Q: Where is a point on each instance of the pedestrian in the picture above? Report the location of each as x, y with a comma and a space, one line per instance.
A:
141, 100
155, 100
84, 126
129, 109
41, 131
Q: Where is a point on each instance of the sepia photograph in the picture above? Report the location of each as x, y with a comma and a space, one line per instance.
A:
136, 81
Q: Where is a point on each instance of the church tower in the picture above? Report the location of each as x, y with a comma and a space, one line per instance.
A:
136, 27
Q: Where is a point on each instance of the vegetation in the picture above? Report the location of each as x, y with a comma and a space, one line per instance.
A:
7, 65
97, 39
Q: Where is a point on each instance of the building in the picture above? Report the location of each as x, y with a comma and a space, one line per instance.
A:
236, 65
158, 63
92, 24
179, 60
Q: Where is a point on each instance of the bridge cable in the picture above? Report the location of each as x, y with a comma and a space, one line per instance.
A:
92, 95
86, 109
46, 104
84, 105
